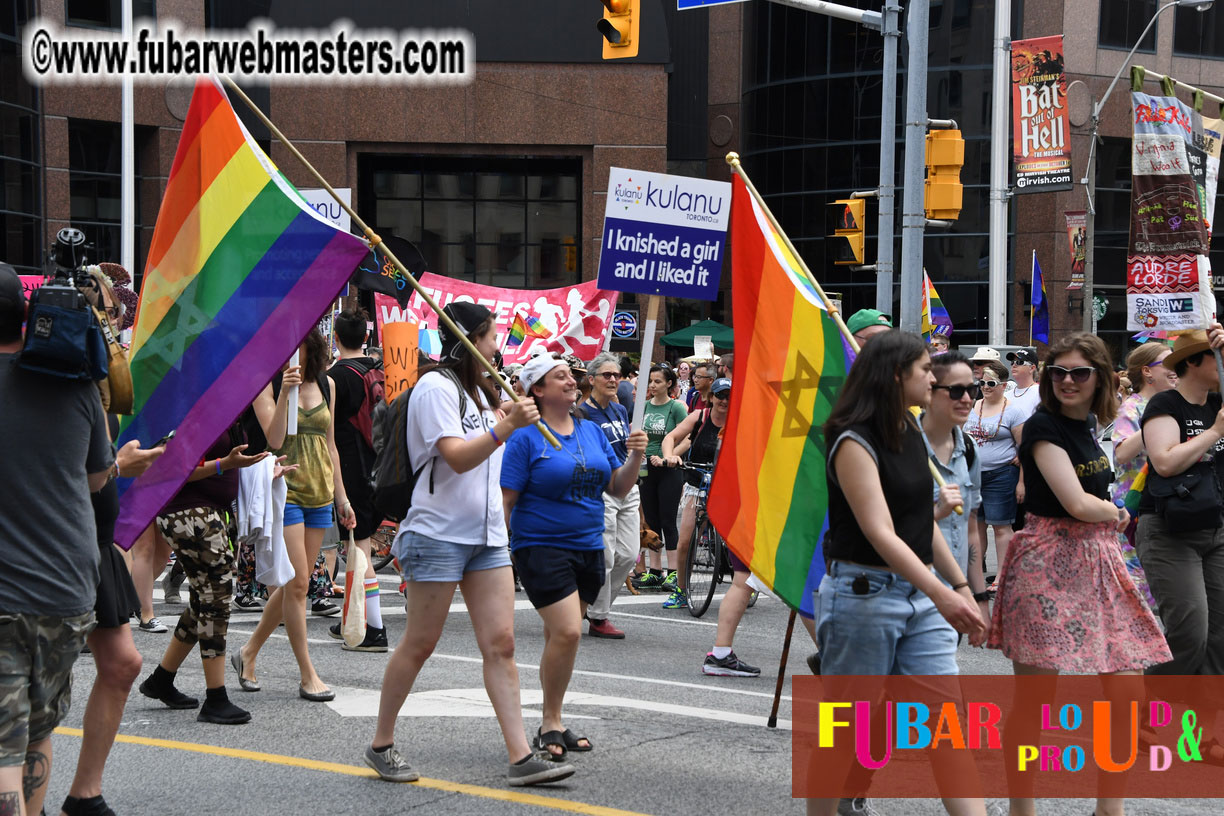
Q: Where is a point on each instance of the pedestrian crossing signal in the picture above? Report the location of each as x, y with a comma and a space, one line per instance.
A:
619, 28
848, 236
943, 193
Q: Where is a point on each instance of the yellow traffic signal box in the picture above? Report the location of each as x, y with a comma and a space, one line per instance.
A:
847, 238
619, 28
945, 155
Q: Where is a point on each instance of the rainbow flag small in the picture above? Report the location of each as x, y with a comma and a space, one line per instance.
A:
935, 318
240, 268
1131, 500
769, 498
522, 328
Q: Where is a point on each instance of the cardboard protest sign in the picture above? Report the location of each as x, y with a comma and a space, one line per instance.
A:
399, 358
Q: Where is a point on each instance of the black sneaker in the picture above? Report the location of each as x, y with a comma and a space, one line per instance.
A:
334, 631
223, 712
375, 641
729, 666
248, 603
168, 694
324, 609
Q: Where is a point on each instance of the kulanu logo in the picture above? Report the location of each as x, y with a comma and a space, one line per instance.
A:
628, 193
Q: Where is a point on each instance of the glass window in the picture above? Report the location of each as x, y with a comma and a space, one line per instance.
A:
1122, 21
1199, 33
95, 186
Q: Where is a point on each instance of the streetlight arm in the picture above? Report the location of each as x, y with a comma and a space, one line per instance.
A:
871, 19
1100, 105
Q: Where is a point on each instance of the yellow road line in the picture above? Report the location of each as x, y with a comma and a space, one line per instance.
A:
356, 770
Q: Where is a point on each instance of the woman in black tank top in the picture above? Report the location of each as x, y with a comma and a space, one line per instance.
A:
881, 608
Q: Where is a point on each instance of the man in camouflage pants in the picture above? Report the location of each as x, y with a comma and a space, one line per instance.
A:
56, 453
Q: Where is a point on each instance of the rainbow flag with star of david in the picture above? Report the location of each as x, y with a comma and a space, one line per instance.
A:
769, 498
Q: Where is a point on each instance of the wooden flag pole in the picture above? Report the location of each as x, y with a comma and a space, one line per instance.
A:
648, 338
376, 243
733, 159
773, 713
1032, 288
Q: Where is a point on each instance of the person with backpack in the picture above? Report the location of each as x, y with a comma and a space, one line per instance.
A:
359, 390
308, 508
453, 533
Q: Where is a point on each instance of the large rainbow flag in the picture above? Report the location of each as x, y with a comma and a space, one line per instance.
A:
769, 498
239, 269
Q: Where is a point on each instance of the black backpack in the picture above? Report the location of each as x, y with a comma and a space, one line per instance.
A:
373, 380
394, 480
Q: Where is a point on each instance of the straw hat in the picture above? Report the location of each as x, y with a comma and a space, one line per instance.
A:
1187, 343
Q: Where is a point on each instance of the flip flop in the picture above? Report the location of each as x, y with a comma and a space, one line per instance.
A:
243, 683
544, 740
1208, 759
573, 742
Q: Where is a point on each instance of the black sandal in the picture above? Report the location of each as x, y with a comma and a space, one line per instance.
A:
572, 741
557, 738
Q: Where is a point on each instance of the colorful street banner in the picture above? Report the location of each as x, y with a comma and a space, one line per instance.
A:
240, 268
1077, 242
769, 498
664, 234
577, 318
1175, 168
935, 318
1041, 127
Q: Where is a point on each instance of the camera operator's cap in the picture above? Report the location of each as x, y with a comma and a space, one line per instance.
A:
468, 317
1022, 356
985, 354
11, 290
720, 386
868, 317
1186, 344
538, 368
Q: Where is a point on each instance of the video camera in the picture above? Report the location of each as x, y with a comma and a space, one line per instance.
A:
63, 335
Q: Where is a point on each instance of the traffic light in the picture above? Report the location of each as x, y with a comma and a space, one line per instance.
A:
848, 231
945, 155
619, 28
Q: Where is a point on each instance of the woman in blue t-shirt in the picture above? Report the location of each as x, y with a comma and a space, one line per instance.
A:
554, 504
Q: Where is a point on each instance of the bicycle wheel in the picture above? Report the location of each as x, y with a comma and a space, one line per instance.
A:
702, 567
380, 546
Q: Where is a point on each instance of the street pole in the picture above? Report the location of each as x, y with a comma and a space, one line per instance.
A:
1000, 126
127, 163
888, 158
913, 212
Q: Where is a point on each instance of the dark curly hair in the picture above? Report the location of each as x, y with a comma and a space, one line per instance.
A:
316, 357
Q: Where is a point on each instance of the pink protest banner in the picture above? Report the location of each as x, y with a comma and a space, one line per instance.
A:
578, 317
31, 282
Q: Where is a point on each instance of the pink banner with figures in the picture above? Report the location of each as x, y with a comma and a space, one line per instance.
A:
577, 318
31, 282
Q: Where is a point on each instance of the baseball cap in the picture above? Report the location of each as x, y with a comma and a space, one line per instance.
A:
1022, 356
468, 317
985, 354
720, 385
868, 317
537, 368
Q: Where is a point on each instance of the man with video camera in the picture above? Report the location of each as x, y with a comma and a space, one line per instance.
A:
56, 453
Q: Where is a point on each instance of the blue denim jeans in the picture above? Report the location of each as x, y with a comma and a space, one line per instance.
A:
892, 629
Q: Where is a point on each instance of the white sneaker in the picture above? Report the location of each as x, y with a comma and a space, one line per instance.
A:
153, 625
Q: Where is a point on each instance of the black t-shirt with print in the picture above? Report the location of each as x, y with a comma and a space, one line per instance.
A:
1074, 436
1192, 420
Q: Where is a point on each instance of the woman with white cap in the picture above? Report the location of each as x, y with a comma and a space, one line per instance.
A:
554, 501
455, 535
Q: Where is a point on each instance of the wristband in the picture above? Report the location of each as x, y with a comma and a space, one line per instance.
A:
495, 439
218, 461
981, 596
959, 586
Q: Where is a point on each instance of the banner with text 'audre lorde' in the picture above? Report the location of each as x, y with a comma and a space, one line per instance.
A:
1175, 164
1041, 128
663, 234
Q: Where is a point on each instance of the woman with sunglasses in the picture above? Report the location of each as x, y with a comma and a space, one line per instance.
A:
1183, 431
995, 423
1145, 366
1066, 602
957, 459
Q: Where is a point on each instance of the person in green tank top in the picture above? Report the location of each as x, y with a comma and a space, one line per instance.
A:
312, 488
661, 484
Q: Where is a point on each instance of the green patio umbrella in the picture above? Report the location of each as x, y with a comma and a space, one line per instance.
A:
724, 336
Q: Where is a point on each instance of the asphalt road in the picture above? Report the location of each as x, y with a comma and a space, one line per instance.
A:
668, 740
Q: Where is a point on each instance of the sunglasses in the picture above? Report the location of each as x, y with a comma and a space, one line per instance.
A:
607, 375
513, 380
702, 377
722, 395
957, 392
989, 383
1079, 374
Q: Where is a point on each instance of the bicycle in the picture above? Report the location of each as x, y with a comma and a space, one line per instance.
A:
380, 545
707, 562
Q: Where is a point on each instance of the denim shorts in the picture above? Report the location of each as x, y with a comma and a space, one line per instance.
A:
893, 628
316, 518
429, 560
999, 494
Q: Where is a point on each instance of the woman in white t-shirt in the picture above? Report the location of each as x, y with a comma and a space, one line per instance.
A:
994, 423
455, 535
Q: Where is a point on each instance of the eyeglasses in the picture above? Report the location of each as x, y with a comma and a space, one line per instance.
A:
957, 392
607, 375
702, 377
989, 383
514, 379
1079, 374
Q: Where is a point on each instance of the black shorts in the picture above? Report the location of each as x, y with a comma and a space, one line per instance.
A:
551, 574
116, 600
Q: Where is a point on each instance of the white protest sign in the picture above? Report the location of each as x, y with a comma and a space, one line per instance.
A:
321, 202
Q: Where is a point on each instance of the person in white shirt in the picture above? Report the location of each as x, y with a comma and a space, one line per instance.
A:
455, 535
1023, 392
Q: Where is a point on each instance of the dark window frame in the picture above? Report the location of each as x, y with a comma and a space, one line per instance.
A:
1154, 34
1198, 24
